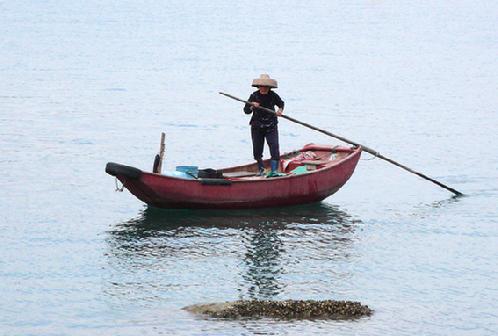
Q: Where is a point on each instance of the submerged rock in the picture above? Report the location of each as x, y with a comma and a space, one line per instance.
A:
289, 309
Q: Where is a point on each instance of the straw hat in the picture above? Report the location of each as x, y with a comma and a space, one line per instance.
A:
265, 80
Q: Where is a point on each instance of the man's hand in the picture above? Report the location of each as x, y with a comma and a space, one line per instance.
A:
280, 112
255, 104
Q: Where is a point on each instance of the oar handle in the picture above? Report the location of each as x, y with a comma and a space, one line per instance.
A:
247, 102
364, 148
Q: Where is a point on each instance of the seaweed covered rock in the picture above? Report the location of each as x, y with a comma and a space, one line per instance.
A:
289, 309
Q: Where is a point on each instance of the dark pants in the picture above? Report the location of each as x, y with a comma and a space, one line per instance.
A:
259, 135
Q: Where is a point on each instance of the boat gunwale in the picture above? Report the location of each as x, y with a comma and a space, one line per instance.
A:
354, 151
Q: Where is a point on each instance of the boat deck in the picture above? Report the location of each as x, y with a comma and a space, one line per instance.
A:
289, 162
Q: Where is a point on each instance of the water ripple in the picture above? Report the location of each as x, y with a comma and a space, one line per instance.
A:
261, 247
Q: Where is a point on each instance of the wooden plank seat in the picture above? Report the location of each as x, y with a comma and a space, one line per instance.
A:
314, 162
239, 174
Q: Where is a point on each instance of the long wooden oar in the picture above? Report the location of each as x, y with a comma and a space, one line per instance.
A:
364, 148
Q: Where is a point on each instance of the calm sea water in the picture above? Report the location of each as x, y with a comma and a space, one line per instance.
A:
86, 82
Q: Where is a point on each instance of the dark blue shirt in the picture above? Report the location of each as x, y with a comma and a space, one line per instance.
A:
262, 118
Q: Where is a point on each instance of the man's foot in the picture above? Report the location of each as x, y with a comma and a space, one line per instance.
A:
274, 169
261, 168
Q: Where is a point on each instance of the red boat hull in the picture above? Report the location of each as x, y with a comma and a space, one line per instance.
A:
238, 193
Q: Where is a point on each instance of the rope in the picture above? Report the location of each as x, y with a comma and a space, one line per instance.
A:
117, 187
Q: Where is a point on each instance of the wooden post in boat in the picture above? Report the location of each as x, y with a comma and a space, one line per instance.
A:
158, 160
162, 147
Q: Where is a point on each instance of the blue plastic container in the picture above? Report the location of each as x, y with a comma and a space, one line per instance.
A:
189, 170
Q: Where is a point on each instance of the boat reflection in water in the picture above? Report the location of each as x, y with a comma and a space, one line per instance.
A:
252, 254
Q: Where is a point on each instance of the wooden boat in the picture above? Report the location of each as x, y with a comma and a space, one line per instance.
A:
309, 175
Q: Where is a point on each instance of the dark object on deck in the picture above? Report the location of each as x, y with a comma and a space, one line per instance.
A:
289, 309
155, 166
210, 173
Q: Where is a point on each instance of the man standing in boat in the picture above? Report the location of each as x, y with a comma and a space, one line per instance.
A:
264, 124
